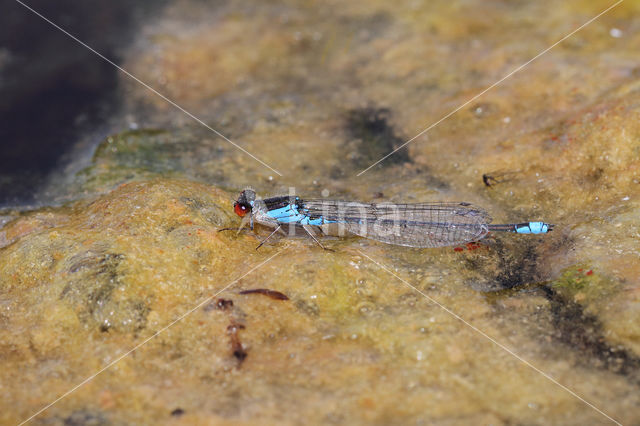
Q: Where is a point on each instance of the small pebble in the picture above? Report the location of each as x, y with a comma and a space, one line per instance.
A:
615, 33
177, 412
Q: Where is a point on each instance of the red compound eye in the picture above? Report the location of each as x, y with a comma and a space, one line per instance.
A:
240, 209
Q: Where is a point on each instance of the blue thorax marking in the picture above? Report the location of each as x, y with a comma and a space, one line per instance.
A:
290, 214
286, 214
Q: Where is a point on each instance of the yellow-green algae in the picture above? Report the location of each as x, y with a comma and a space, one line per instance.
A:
581, 284
301, 85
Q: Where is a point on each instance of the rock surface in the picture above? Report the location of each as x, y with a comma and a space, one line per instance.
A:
320, 92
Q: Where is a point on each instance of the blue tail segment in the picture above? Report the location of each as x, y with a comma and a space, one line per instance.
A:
533, 228
524, 228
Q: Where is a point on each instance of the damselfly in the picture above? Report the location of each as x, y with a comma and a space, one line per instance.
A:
414, 225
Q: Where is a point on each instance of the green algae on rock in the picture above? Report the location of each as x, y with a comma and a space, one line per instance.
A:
145, 154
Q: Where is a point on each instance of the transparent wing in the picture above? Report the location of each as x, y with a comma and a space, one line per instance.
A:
413, 225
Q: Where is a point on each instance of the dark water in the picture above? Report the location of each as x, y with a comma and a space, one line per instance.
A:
52, 89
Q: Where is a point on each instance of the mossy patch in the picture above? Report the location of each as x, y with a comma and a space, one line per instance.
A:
583, 285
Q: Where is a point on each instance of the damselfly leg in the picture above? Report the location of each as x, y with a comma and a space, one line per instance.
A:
309, 231
269, 236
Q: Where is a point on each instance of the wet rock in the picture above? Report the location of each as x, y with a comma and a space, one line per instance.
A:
83, 283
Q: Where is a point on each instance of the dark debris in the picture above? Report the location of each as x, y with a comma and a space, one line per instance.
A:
266, 292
